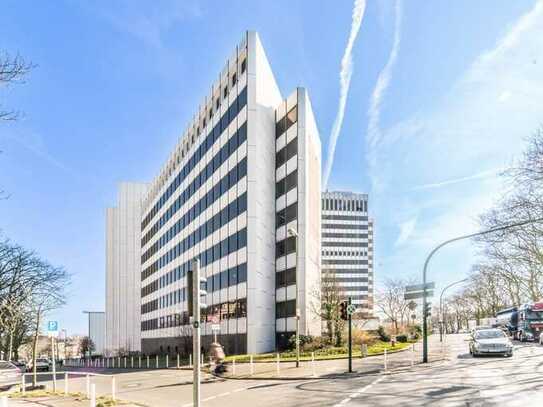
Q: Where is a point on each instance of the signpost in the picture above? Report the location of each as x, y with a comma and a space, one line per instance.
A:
215, 328
422, 291
52, 331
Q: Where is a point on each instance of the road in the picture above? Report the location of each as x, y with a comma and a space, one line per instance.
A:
460, 380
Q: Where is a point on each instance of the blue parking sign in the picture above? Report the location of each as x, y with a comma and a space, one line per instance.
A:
52, 326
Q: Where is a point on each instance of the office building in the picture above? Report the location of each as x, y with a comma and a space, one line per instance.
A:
245, 171
347, 246
123, 283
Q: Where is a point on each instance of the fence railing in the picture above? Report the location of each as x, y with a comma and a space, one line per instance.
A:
133, 362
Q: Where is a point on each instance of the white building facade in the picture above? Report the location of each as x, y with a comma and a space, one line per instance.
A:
347, 247
123, 269
218, 198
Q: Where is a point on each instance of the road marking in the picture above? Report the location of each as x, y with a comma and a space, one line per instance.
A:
359, 391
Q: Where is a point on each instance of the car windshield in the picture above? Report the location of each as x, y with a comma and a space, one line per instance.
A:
494, 333
5, 365
534, 315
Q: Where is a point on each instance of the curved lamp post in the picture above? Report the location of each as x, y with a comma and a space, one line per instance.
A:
424, 297
441, 319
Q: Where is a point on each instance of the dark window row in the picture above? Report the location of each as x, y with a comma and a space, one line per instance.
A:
285, 246
344, 261
149, 306
224, 311
227, 278
196, 236
344, 217
285, 278
344, 244
284, 124
212, 136
286, 215
286, 184
286, 153
346, 204
285, 309
344, 271
214, 164
344, 226
344, 279
219, 189
343, 253
175, 297
345, 235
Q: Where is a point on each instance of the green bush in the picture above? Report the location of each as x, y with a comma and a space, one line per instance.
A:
401, 338
304, 340
383, 336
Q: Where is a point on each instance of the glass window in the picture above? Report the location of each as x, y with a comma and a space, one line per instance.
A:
233, 276
243, 66
242, 273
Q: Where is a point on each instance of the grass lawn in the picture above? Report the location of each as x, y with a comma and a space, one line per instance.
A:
377, 348
36, 394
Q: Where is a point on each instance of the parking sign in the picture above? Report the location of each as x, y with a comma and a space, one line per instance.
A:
52, 326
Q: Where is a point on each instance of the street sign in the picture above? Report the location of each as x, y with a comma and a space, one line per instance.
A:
412, 305
52, 326
215, 327
417, 294
420, 287
351, 309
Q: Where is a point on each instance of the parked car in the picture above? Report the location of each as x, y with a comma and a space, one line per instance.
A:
490, 342
42, 364
10, 374
21, 364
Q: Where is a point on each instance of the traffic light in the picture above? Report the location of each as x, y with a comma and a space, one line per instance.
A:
191, 291
343, 310
428, 309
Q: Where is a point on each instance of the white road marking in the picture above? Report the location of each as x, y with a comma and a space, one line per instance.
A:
359, 391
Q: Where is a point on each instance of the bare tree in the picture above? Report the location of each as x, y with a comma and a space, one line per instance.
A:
86, 346
12, 70
326, 304
390, 302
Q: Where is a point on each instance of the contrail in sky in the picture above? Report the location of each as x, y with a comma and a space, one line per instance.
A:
383, 81
344, 82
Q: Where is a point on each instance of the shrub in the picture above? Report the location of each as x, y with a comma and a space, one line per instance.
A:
304, 340
382, 334
362, 338
401, 338
317, 343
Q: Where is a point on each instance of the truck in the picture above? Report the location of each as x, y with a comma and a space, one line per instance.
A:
524, 322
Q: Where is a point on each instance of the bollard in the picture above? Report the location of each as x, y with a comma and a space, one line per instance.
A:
167, 360
3, 401
190, 360
412, 355
132, 362
313, 363
88, 386
147, 361
385, 360
251, 367
277, 368
157, 361
119, 362
23, 384
139, 361
66, 383
178, 360
202, 361
234, 367
124, 362
92, 402
113, 388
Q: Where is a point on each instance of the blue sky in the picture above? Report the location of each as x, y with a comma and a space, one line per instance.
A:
117, 82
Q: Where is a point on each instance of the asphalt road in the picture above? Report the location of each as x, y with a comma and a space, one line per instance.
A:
461, 380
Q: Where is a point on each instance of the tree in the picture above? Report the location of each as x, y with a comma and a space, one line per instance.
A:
326, 303
12, 71
390, 302
86, 346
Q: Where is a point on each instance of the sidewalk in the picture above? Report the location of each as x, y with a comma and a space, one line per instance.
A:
330, 368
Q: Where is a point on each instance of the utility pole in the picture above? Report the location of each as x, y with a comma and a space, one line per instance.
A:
194, 292
350, 337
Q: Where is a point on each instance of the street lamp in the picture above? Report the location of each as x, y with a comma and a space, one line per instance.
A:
441, 319
425, 291
293, 233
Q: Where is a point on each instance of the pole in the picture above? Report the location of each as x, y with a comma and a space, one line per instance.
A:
66, 383
54, 364
196, 332
441, 314
350, 340
113, 388
93, 396
424, 272
294, 233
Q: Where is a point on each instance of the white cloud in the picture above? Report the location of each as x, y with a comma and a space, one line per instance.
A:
477, 129
345, 75
406, 229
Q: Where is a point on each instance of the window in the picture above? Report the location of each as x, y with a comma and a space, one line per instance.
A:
225, 92
292, 117
286, 184
243, 66
218, 103
234, 79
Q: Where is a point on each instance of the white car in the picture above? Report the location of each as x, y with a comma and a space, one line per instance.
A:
42, 364
490, 342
